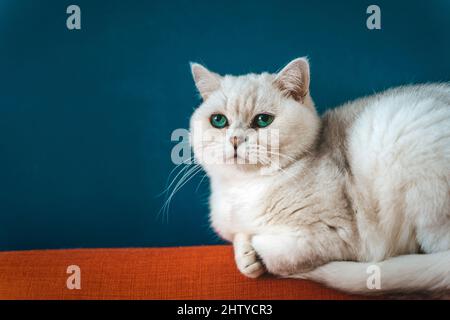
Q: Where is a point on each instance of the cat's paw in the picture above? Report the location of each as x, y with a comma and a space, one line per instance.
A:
247, 259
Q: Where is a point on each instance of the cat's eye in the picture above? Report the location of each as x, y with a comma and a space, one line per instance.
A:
218, 121
262, 120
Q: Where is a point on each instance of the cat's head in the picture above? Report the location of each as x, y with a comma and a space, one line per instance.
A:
253, 122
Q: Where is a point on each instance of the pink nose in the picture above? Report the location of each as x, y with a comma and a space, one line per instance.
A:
235, 141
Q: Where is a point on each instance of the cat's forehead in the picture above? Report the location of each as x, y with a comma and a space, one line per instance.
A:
246, 95
246, 84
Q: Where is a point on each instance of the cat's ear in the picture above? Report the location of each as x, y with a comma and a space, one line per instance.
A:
206, 81
293, 79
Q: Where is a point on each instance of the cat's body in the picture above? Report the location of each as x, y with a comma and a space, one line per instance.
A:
366, 182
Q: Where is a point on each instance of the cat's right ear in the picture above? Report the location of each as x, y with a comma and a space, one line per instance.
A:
206, 81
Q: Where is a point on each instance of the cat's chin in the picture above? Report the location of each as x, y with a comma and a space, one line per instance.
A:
239, 170
240, 167
247, 167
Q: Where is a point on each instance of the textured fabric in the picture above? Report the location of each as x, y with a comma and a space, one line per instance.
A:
206, 272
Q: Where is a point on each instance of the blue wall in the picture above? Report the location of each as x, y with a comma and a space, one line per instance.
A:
86, 116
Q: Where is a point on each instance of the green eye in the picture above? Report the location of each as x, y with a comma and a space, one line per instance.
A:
262, 120
218, 121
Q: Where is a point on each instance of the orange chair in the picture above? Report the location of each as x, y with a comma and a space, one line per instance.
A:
202, 272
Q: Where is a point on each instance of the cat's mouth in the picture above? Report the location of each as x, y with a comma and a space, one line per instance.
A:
240, 160
235, 159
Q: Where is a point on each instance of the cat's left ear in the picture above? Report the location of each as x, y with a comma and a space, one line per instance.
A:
206, 81
293, 79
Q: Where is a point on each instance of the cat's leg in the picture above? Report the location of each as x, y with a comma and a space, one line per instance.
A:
284, 254
246, 257
288, 252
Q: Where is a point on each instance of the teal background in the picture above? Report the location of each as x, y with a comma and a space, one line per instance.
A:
86, 116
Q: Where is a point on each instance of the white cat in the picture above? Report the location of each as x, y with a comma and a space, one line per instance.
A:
367, 182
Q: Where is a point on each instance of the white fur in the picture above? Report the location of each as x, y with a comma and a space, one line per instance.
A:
425, 274
368, 182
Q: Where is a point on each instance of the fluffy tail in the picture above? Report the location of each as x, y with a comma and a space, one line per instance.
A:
409, 274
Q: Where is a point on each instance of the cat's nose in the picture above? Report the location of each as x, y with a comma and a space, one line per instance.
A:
235, 141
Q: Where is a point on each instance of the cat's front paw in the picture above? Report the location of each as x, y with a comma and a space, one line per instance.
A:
246, 257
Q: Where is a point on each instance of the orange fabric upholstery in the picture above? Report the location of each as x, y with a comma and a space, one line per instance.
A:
204, 272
